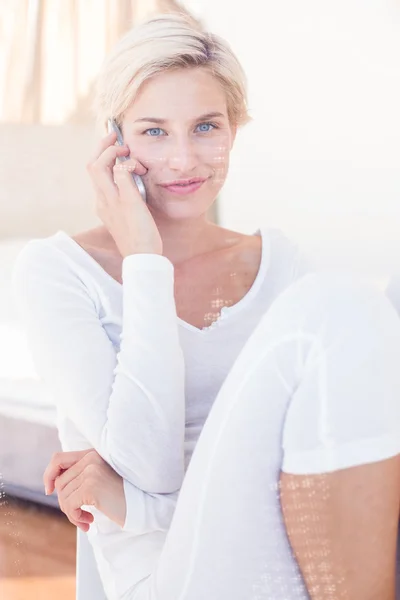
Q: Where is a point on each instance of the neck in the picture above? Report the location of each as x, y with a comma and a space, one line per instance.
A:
187, 238
184, 239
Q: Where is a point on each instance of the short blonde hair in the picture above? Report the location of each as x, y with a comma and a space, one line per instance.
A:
167, 41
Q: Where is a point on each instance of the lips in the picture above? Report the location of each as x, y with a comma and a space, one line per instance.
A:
183, 182
182, 187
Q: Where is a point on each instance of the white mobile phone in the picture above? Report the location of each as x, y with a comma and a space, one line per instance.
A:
112, 126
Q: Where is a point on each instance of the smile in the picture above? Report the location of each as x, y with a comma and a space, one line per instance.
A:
184, 188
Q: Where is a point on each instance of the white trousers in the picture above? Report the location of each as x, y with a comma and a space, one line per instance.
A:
316, 388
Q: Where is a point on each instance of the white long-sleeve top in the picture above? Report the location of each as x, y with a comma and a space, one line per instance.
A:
134, 419
130, 378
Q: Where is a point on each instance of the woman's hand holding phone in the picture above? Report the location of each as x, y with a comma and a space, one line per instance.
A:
118, 201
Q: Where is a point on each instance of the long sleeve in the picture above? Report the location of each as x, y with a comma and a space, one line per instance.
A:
130, 404
147, 512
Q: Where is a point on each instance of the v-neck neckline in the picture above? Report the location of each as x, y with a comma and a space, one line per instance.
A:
225, 310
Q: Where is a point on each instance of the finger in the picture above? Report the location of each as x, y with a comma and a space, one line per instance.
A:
86, 517
80, 524
58, 464
76, 515
88, 457
100, 172
72, 497
118, 155
124, 181
52, 471
105, 142
108, 157
84, 522
83, 516
62, 480
133, 165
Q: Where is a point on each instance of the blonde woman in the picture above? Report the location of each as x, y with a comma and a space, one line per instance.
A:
230, 418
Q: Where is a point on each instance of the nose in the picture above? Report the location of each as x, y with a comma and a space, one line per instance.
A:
183, 156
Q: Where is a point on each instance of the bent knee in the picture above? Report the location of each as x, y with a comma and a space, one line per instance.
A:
327, 304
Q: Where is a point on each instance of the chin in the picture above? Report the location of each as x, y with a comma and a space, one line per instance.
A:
181, 208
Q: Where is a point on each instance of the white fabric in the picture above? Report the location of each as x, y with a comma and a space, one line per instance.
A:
315, 389
88, 582
319, 346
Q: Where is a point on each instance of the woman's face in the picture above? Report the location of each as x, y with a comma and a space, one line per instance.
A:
178, 128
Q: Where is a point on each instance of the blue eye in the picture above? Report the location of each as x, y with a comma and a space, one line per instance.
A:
151, 131
206, 125
157, 131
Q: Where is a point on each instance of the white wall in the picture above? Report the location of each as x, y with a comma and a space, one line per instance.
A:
44, 185
322, 158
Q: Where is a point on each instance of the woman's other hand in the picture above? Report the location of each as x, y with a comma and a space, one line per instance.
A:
84, 478
118, 201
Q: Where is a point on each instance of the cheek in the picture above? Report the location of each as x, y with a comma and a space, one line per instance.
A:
156, 153
213, 154
147, 151
218, 160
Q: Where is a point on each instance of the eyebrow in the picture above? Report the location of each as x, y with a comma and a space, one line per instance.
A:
210, 115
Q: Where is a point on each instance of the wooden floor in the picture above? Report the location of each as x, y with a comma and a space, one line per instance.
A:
37, 552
